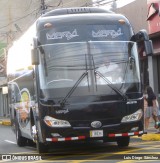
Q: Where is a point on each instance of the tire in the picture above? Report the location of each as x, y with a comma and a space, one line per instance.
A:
21, 141
31, 143
123, 141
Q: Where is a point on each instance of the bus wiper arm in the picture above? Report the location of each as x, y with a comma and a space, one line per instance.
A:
62, 103
94, 71
111, 86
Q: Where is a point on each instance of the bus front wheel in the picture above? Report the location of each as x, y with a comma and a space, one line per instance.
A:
123, 141
21, 141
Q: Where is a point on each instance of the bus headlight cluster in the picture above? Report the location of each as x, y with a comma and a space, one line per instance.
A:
53, 122
133, 117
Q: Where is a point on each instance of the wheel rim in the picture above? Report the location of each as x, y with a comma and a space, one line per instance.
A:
34, 133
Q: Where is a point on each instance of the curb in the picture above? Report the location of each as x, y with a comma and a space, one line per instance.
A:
151, 137
5, 122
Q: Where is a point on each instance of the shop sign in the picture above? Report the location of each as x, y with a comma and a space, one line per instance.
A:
153, 16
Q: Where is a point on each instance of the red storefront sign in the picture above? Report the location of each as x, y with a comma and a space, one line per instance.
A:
153, 16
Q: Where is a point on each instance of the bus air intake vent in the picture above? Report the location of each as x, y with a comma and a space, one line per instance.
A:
75, 10
78, 10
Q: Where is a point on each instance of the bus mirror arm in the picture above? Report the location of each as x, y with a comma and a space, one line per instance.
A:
34, 52
35, 56
142, 36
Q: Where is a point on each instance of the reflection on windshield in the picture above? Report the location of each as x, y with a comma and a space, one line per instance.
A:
63, 64
106, 70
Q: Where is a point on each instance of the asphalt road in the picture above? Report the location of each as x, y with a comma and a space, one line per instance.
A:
80, 152
8, 142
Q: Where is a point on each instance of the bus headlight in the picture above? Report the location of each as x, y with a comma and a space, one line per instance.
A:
133, 117
53, 122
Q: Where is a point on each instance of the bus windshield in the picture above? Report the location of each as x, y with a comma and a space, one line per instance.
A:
96, 65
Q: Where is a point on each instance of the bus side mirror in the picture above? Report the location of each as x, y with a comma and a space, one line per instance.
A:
142, 36
148, 47
35, 56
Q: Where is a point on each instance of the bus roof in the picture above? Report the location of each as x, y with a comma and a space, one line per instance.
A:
75, 10
82, 15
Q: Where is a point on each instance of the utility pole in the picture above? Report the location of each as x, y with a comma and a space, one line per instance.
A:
43, 7
114, 5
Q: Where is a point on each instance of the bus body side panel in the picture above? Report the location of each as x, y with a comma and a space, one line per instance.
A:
22, 98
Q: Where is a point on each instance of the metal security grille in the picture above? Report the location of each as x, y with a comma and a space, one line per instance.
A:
4, 109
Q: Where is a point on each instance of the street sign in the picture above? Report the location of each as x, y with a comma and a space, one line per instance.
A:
4, 90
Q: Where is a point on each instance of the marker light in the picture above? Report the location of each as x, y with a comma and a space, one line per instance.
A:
52, 122
121, 21
133, 117
47, 25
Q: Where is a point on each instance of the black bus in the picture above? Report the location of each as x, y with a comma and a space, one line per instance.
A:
83, 81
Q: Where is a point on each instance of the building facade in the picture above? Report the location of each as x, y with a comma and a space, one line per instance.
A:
137, 12
145, 14
153, 18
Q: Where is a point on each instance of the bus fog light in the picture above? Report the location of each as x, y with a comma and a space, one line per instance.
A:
53, 122
133, 117
56, 135
134, 129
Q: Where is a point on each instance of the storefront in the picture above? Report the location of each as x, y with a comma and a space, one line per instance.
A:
4, 109
153, 19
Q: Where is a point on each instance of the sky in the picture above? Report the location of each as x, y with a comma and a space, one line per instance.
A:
120, 3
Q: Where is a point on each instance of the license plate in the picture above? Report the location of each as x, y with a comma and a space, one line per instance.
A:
96, 133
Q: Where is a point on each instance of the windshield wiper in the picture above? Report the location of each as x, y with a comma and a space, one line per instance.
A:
111, 85
94, 71
62, 103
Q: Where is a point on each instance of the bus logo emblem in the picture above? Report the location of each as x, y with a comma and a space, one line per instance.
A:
96, 124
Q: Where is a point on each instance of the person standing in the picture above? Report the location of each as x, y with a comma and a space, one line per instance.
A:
151, 110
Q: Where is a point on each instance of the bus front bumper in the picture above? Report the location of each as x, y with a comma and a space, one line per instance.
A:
106, 132
111, 135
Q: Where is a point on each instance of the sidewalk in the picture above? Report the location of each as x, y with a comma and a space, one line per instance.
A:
152, 133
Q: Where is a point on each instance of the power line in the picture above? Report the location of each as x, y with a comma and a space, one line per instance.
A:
60, 2
42, 10
18, 19
28, 7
